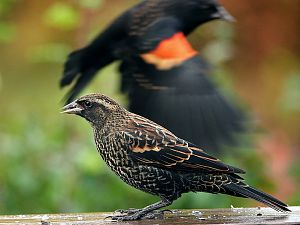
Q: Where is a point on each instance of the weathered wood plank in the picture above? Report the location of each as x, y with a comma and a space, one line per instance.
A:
205, 216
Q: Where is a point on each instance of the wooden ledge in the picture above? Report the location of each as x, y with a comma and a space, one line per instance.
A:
203, 216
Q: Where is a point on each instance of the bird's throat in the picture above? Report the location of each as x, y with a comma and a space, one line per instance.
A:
170, 52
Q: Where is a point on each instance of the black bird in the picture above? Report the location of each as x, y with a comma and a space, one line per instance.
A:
160, 70
149, 157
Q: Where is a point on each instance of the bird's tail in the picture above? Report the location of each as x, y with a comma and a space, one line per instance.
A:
243, 190
72, 67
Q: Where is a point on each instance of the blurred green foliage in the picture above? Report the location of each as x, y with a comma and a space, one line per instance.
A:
62, 15
49, 53
7, 29
92, 4
5, 6
291, 94
48, 162
7, 32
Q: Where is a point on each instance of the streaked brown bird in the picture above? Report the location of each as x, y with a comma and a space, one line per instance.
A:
160, 71
149, 157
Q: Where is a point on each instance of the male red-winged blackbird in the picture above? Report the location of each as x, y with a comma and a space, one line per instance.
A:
150, 158
161, 72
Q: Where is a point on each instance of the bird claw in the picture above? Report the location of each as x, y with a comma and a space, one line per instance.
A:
166, 210
108, 217
130, 214
135, 214
125, 217
155, 215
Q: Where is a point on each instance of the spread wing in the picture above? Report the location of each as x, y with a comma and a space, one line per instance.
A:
151, 144
158, 31
185, 100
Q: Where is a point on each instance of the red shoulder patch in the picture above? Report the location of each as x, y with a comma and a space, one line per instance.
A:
170, 52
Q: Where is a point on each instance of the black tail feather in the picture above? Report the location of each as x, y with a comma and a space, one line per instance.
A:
250, 192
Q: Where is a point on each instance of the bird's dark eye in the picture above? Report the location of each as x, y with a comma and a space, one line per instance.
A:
87, 104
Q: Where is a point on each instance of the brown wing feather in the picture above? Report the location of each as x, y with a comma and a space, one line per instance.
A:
156, 146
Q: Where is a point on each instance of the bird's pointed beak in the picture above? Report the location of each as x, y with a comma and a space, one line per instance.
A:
223, 14
72, 108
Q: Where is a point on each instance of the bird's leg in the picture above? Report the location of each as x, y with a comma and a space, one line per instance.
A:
127, 211
139, 214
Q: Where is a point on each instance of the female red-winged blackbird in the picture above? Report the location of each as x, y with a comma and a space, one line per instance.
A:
161, 73
150, 158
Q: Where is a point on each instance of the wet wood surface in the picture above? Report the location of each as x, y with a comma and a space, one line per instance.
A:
205, 216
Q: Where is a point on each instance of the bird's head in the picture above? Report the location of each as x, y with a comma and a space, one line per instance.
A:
95, 108
201, 11
215, 10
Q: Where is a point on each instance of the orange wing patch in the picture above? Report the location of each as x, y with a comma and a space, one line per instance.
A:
145, 149
170, 52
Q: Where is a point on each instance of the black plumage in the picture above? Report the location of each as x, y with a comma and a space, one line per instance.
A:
150, 158
184, 100
138, 30
174, 83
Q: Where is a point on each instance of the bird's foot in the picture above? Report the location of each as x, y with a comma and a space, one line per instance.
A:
124, 217
137, 214
158, 214
147, 212
127, 211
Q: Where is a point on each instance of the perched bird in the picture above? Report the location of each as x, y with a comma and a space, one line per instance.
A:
149, 157
161, 72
